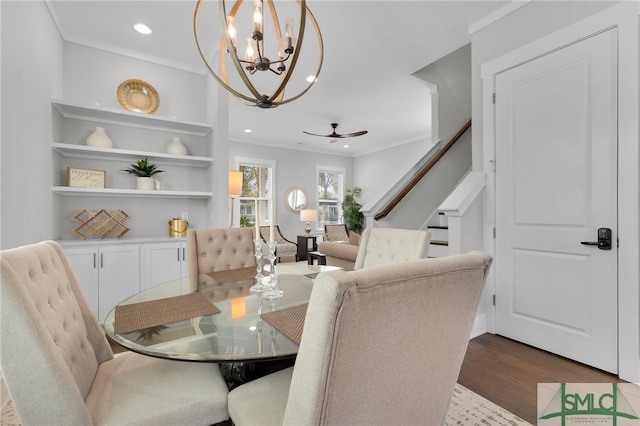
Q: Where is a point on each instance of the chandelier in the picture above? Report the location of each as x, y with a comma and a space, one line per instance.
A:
279, 62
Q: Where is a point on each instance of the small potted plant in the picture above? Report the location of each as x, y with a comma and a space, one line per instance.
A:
144, 172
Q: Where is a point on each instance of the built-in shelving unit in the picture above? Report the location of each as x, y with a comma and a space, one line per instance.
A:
133, 119
82, 151
164, 125
67, 190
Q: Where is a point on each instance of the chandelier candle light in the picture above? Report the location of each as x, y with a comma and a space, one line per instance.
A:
284, 59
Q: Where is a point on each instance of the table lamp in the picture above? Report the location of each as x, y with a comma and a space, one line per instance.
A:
307, 216
235, 188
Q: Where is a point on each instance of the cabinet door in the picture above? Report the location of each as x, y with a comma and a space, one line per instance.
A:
184, 266
85, 263
119, 267
161, 262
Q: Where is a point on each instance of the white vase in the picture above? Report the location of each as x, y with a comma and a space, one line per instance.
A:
99, 138
176, 147
145, 183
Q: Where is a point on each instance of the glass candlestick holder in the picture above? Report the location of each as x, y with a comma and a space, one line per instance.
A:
259, 286
273, 292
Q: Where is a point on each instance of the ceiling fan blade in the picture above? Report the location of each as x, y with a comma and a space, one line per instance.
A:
315, 134
336, 135
351, 135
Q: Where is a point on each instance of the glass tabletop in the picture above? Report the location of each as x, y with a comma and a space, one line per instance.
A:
236, 334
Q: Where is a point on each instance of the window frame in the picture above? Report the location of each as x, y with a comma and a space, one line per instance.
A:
271, 185
341, 190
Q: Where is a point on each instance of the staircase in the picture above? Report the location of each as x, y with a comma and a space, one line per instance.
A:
439, 246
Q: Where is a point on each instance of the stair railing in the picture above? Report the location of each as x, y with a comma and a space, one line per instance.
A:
420, 174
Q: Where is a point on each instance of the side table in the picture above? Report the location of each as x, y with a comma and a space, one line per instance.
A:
303, 246
316, 255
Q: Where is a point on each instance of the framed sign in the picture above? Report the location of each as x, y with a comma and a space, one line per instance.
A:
86, 178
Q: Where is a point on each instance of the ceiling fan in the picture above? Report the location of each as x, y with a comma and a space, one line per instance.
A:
335, 135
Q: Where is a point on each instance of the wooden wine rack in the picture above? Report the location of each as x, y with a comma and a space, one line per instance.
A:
101, 223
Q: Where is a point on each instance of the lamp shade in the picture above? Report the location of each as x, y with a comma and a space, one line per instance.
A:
235, 182
307, 215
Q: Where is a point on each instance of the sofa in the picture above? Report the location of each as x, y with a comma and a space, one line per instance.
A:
341, 253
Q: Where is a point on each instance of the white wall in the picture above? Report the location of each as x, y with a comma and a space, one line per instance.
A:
31, 76
293, 168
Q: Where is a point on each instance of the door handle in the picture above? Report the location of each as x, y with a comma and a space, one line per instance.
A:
604, 239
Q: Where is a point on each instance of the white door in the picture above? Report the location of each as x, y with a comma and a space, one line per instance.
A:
556, 169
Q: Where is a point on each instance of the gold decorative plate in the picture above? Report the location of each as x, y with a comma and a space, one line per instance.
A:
138, 95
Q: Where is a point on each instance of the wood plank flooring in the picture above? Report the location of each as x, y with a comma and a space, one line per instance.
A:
507, 373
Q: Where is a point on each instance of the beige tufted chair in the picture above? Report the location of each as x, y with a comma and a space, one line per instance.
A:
219, 249
59, 368
380, 246
379, 346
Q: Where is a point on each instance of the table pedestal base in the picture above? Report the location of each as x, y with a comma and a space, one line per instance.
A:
237, 373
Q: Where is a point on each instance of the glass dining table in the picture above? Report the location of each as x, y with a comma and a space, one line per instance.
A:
236, 333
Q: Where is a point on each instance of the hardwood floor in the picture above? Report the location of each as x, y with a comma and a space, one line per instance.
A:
507, 372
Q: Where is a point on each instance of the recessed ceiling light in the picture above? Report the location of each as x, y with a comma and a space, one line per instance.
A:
142, 28
311, 79
248, 130
346, 146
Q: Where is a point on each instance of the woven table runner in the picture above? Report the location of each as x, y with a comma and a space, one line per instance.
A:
288, 321
137, 316
233, 275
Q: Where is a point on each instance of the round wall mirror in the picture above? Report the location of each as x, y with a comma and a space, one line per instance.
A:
295, 199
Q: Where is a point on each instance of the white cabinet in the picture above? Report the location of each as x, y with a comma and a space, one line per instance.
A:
107, 273
162, 262
85, 262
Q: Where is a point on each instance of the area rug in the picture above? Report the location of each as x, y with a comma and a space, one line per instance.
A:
467, 408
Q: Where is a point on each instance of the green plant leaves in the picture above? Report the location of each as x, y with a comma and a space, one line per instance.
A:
143, 169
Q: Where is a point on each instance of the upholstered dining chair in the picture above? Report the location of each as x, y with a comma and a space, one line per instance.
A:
334, 233
379, 246
382, 345
284, 247
59, 368
219, 249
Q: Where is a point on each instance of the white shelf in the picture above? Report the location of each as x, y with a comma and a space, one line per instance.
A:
109, 192
132, 119
83, 151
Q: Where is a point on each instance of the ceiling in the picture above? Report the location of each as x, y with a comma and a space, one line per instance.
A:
371, 48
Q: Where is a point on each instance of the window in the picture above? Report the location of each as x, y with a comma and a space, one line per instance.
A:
330, 194
257, 184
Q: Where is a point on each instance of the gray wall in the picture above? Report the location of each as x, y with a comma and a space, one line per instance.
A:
31, 76
530, 22
452, 77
